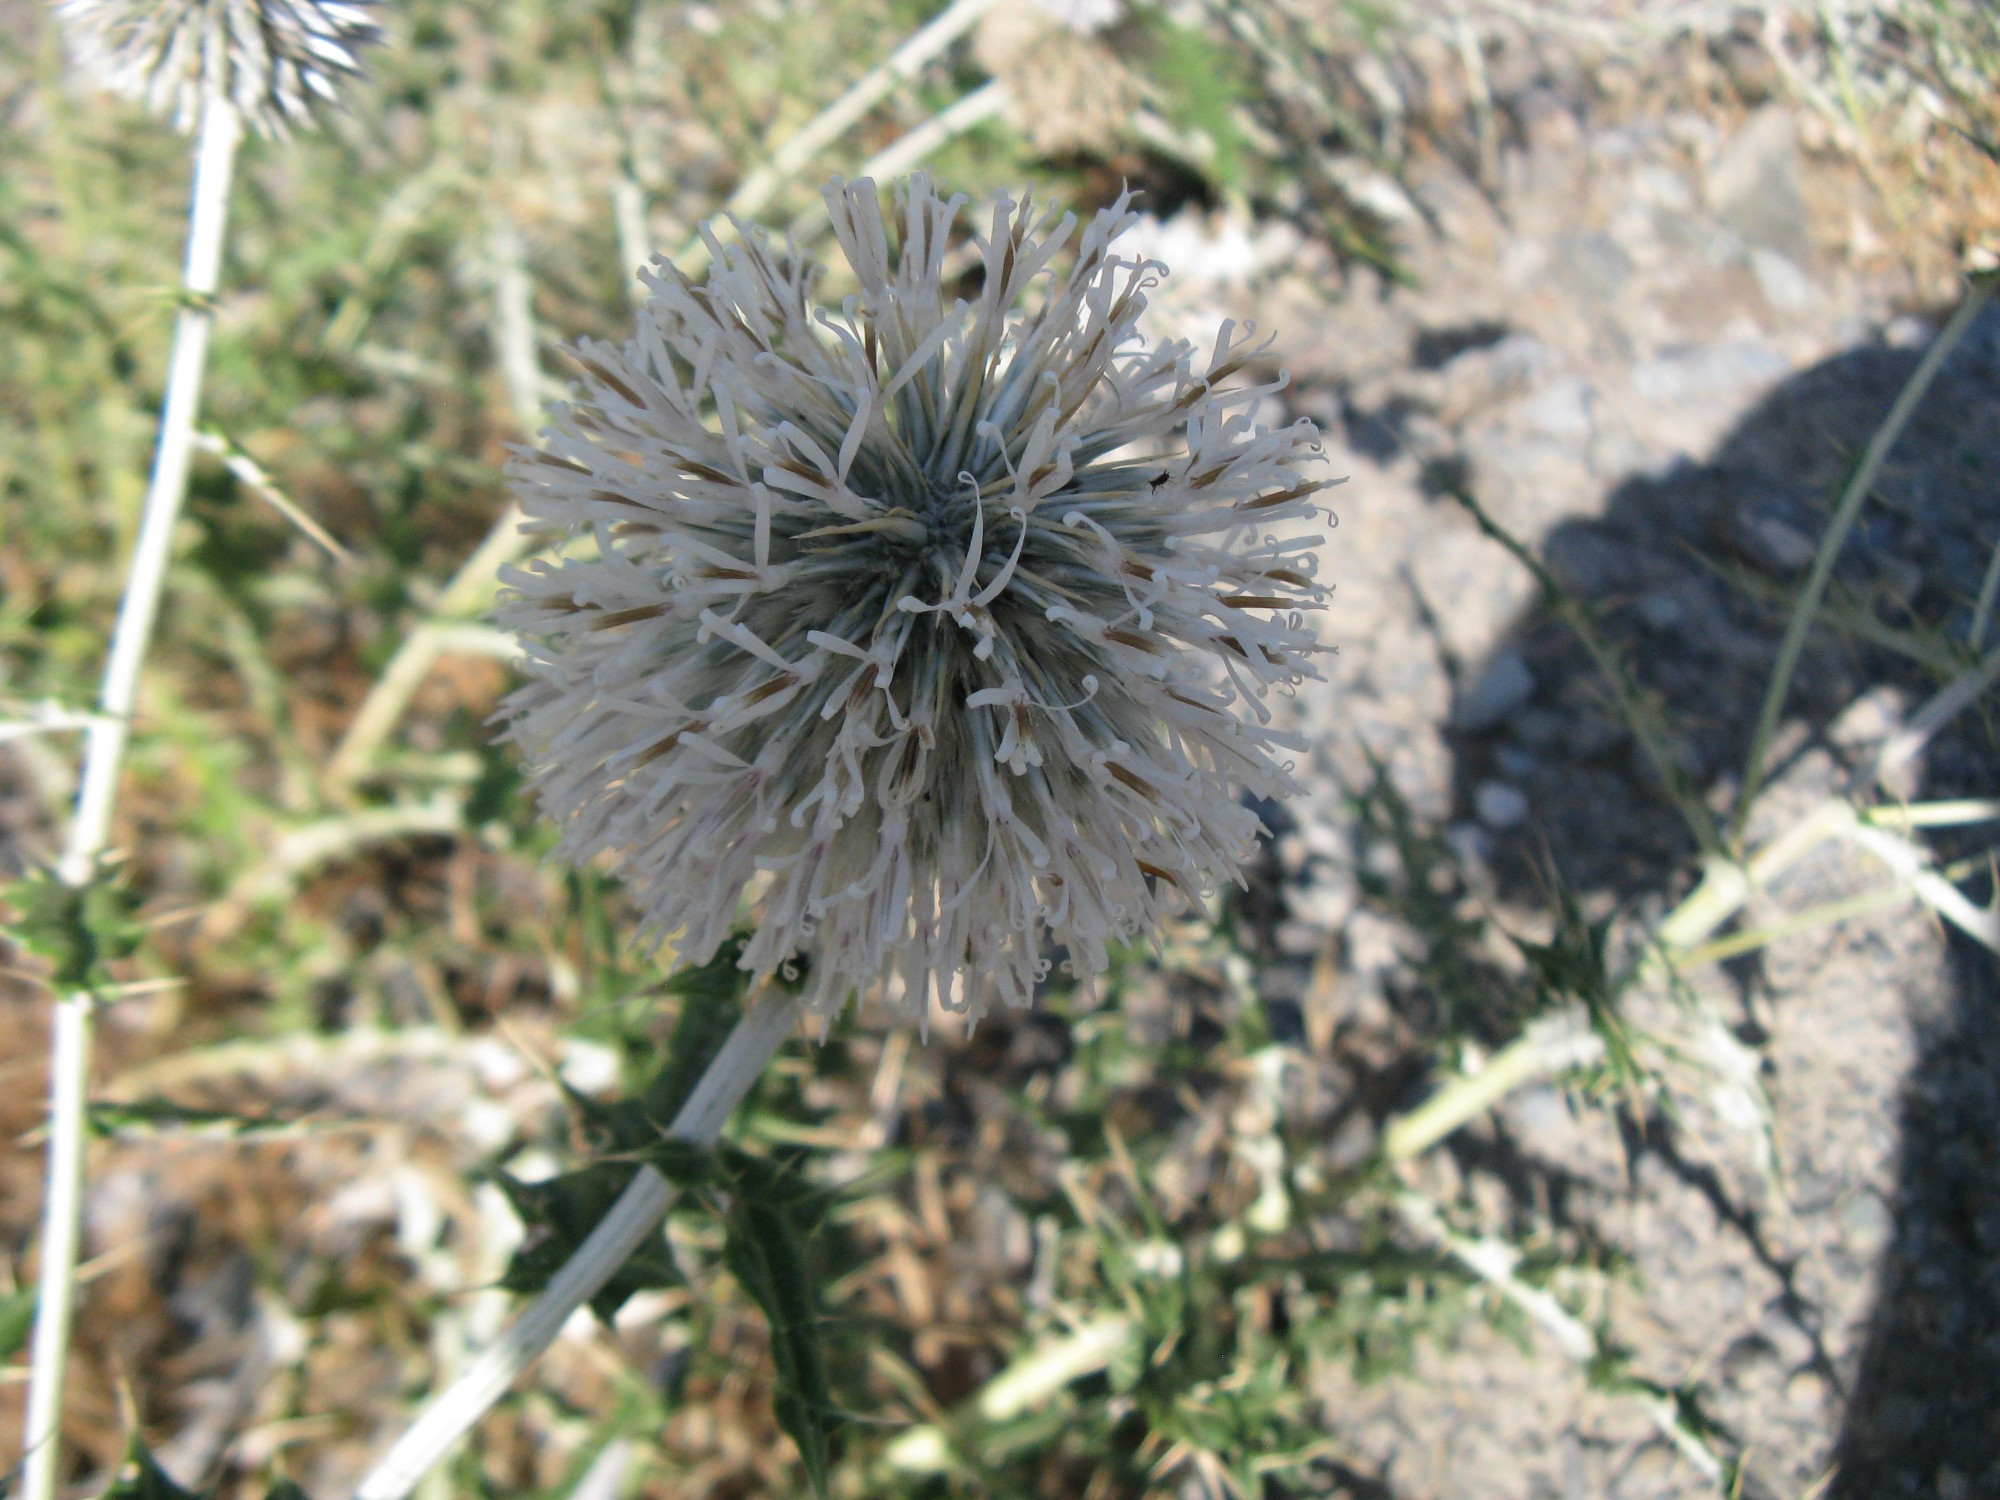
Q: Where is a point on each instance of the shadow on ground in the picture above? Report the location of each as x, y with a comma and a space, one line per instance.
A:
1689, 571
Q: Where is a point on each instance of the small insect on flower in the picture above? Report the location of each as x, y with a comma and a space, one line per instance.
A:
277, 61
939, 628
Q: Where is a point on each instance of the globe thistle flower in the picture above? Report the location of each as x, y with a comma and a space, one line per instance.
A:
940, 628
278, 60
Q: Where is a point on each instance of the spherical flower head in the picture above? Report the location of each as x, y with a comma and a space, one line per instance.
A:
277, 61
936, 628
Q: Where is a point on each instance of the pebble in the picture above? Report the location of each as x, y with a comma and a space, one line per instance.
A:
1908, 332
1500, 806
1496, 695
1787, 288
1754, 184
1865, 1221
1777, 544
1326, 901
1662, 611
1561, 409
1712, 374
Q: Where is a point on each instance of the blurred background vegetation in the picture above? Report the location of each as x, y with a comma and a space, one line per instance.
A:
355, 976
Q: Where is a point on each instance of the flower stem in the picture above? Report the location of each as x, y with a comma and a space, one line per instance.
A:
635, 1215
104, 752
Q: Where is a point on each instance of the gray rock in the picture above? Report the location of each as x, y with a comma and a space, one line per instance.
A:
1777, 545
1908, 332
1787, 288
1593, 265
1478, 378
1754, 184
1499, 805
1496, 695
1561, 409
1662, 611
1711, 374
1865, 1222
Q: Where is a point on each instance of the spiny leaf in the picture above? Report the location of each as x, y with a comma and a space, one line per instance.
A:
142, 1478
159, 1114
712, 995
78, 929
560, 1214
1573, 963
769, 1210
683, 1163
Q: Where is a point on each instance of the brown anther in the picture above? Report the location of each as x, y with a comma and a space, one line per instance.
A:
1142, 787
591, 366
1296, 492
655, 752
629, 616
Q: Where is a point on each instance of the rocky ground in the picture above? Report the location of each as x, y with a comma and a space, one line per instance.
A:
1651, 353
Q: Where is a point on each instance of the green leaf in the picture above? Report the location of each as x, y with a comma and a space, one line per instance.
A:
17, 1316
683, 1163
712, 995
142, 1478
77, 928
160, 1114
768, 1216
560, 1214
1574, 963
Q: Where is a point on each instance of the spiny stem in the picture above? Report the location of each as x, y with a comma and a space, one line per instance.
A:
214, 157
104, 752
69, 1069
1554, 1044
634, 1217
